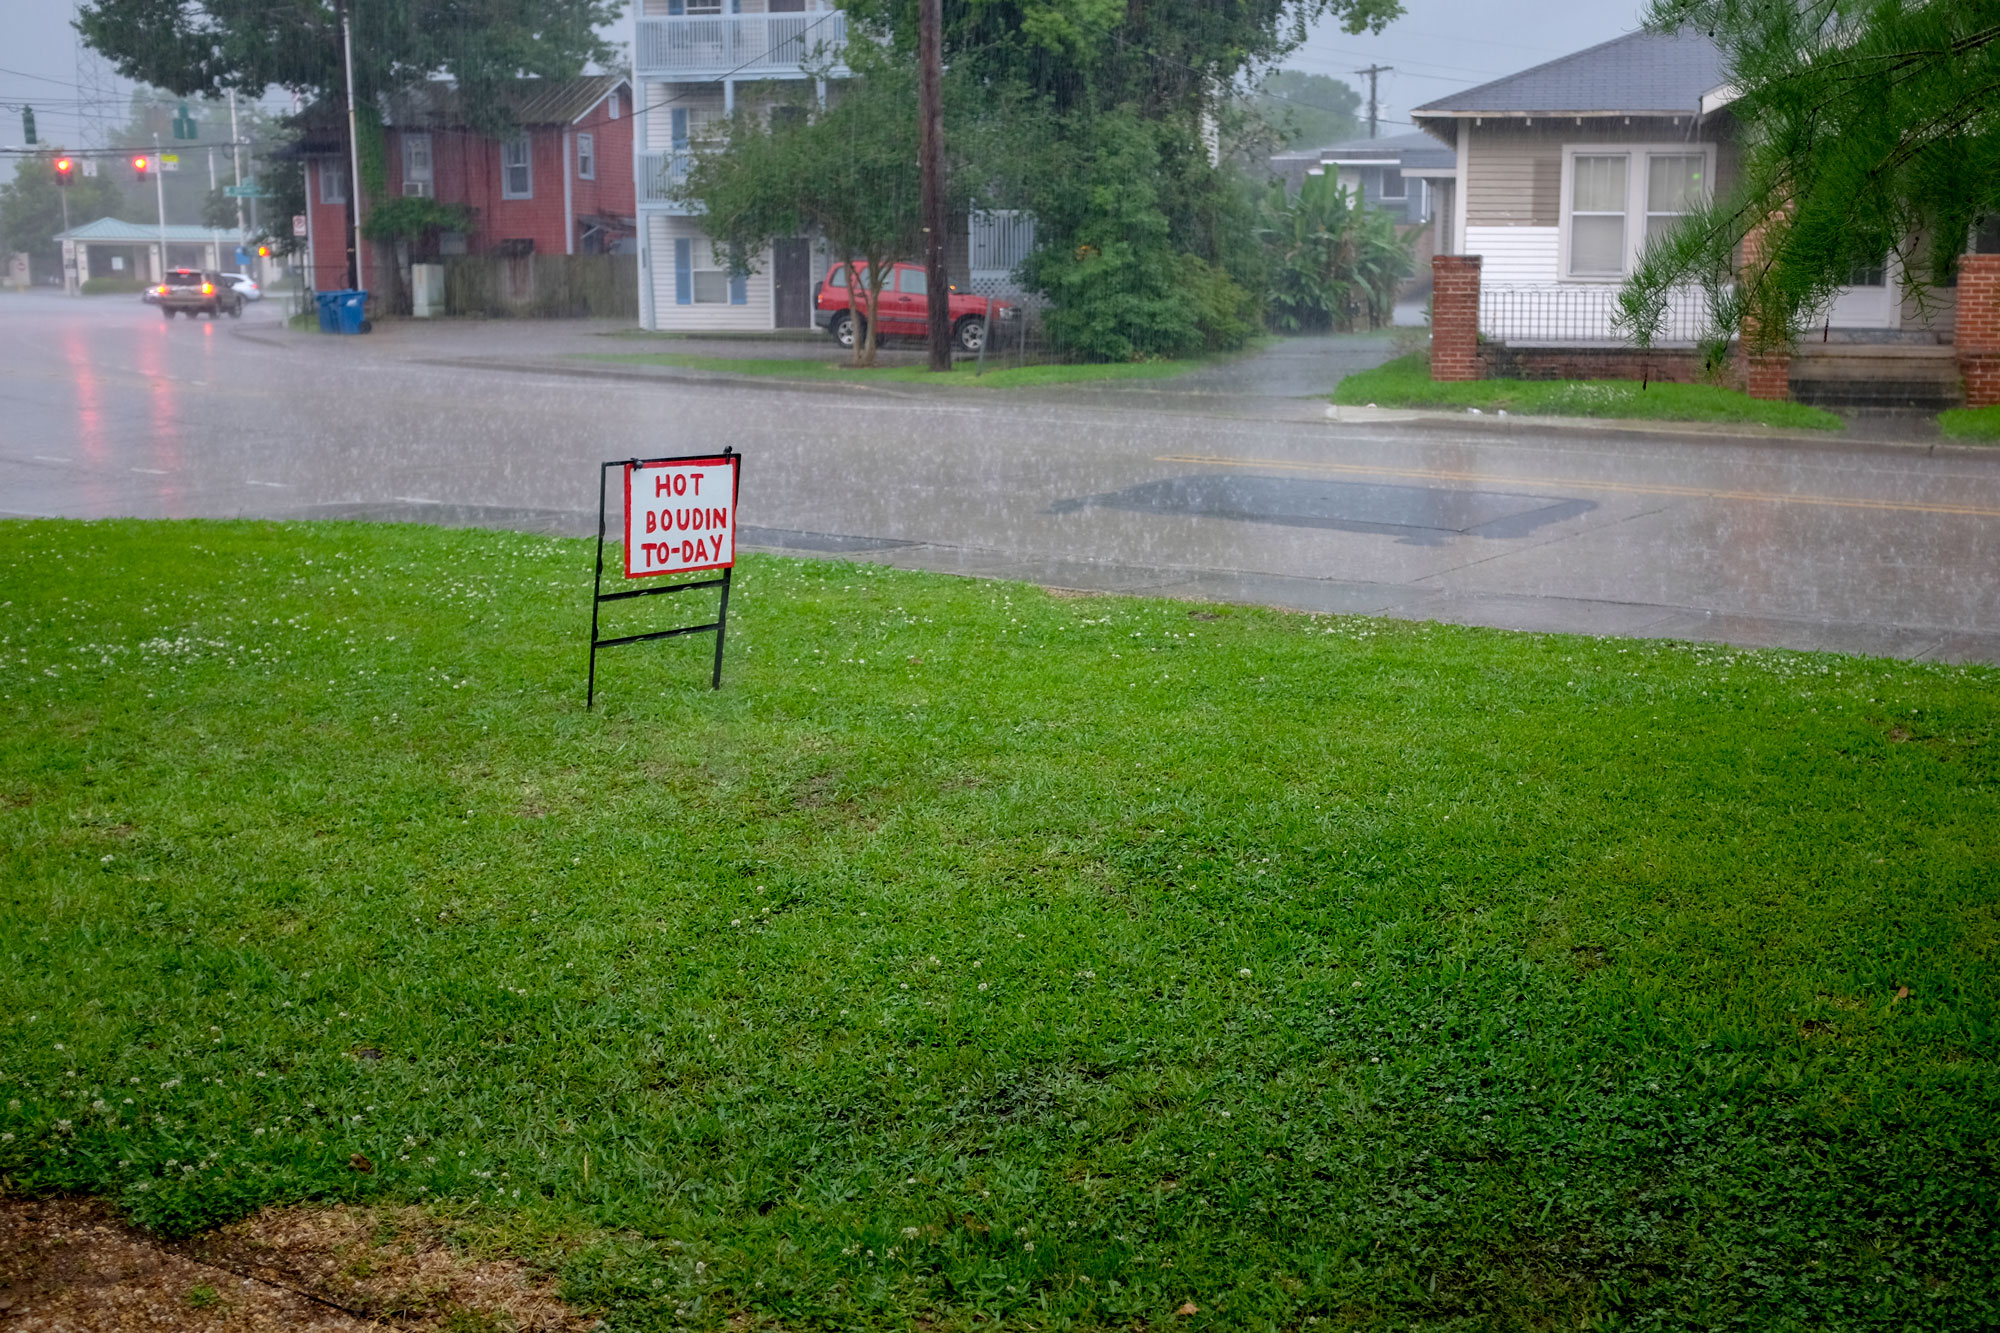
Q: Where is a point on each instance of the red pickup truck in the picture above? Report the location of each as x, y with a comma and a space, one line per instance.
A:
904, 308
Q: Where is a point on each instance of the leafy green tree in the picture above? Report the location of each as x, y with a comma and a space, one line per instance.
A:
1058, 89
1868, 130
31, 210
1333, 261
1308, 110
847, 171
1119, 288
203, 47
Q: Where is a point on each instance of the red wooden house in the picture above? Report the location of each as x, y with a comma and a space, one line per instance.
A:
558, 183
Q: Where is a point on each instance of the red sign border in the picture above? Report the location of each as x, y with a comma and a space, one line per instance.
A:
735, 477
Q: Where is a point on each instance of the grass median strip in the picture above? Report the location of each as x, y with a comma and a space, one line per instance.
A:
963, 374
980, 955
1406, 382
1977, 424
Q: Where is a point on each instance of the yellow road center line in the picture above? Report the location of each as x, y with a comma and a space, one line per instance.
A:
1573, 483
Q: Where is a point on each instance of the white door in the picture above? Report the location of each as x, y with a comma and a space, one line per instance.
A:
1872, 300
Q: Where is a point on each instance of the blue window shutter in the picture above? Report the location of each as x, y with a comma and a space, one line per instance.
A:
680, 123
739, 290
683, 271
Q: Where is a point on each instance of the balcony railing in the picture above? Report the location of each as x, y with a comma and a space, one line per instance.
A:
748, 44
1579, 315
659, 174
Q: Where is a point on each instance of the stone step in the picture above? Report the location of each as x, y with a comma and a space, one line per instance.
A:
1925, 364
1929, 395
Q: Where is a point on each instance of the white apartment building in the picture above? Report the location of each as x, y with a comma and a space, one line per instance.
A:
690, 58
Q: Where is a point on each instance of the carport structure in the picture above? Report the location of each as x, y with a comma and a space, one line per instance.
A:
88, 250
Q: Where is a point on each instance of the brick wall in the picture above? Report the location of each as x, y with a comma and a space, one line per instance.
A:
1977, 332
1670, 366
1455, 317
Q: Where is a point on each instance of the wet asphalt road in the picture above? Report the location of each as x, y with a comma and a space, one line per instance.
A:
1225, 486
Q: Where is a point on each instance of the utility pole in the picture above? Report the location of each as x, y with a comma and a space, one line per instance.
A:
160, 197
236, 160
930, 164
354, 162
1372, 71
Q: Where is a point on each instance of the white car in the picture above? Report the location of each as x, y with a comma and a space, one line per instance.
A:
241, 284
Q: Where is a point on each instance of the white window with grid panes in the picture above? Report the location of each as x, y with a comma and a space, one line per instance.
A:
333, 180
517, 170
586, 157
1618, 198
419, 177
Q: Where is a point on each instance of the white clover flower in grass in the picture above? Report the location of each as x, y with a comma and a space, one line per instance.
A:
1242, 971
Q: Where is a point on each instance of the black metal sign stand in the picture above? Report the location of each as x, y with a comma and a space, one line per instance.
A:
600, 597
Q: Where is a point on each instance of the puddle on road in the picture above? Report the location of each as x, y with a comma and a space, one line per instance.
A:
1415, 515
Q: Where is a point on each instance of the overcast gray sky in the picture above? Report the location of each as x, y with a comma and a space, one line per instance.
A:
1440, 46
1435, 48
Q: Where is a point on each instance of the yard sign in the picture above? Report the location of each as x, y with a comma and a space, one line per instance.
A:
680, 519
680, 516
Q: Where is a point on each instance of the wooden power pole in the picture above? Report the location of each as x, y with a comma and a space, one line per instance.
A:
1372, 72
930, 155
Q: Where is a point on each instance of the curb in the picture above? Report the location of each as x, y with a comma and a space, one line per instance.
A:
1721, 432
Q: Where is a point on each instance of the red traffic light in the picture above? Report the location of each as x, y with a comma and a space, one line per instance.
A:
139, 165
263, 252
64, 166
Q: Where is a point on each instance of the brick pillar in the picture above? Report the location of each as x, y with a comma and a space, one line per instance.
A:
1977, 334
1455, 317
1766, 375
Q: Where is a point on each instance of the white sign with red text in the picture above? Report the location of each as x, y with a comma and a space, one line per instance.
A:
680, 517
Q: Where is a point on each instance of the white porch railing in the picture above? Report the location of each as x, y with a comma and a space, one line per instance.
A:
659, 174
1579, 315
748, 44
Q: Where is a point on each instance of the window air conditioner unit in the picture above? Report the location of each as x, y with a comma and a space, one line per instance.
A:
417, 189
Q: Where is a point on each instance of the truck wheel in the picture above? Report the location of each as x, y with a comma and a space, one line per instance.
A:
970, 335
236, 311
168, 312
846, 329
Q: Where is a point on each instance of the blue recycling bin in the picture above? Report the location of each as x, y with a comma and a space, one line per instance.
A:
343, 311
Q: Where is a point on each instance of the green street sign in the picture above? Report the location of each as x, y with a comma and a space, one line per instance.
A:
247, 190
184, 124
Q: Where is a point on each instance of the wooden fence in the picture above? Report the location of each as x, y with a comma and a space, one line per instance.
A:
543, 286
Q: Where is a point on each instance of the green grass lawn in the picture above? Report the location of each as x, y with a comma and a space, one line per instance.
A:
1406, 382
984, 957
963, 374
1971, 423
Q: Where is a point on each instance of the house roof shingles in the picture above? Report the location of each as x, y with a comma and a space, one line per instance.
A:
529, 101
1641, 73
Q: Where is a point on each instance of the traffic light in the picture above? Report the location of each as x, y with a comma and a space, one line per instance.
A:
65, 169
263, 252
139, 168
27, 124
